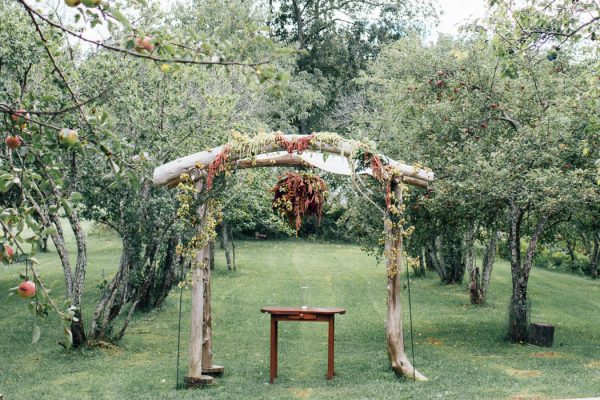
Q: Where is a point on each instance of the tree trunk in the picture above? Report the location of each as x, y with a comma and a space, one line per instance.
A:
104, 308
299, 24
434, 260
395, 339
475, 290
488, 264
225, 244
77, 327
519, 312
446, 253
232, 250
168, 272
594, 256
423, 260
211, 257
44, 246
571, 250
454, 260
78, 330
58, 239
519, 309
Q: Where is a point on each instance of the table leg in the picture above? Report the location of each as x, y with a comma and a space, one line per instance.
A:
330, 367
273, 360
276, 347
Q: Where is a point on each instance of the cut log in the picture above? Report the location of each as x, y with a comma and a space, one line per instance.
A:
168, 174
541, 334
198, 382
213, 370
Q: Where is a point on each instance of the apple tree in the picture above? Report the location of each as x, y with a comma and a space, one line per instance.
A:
57, 129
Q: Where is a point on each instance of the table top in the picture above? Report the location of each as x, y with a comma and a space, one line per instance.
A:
300, 310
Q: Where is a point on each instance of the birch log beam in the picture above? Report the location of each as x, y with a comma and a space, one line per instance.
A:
168, 174
400, 363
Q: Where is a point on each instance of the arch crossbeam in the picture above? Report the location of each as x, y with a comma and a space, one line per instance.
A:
169, 173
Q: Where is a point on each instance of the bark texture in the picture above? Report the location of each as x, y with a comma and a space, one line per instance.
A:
395, 336
519, 308
479, 279
594, 257
207, 321
446, 255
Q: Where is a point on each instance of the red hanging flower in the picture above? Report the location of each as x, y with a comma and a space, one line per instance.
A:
217, 166
298, 194
295, 145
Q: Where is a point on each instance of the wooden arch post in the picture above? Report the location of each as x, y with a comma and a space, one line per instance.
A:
195, 377
393, 252
208, 368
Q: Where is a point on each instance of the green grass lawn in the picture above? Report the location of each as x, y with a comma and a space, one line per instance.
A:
460, 348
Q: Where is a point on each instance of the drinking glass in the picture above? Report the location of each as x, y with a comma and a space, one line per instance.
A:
304, 296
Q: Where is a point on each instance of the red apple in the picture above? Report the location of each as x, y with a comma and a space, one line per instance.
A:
26, 289
17, 115
13, 142
21, 117
144, 43
68, 137
10, 252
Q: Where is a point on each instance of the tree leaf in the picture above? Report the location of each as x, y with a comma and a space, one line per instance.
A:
121, 18
49, 231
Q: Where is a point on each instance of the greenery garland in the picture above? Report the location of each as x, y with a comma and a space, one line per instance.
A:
188, 204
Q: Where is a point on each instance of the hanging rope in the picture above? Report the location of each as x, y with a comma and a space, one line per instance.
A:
355, 179
412, 339
182, 276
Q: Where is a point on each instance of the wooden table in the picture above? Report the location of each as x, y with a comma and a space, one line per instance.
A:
302, 314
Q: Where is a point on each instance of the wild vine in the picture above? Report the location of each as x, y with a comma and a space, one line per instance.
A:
189, 207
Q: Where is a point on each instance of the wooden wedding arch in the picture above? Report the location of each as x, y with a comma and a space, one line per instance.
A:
345, 157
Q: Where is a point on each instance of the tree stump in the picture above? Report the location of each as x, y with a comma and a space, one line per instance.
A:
541, 334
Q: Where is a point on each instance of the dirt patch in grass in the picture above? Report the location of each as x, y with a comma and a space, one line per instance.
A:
548, 354
435, 342
302, 393
593, 364
527, 397
522, 373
